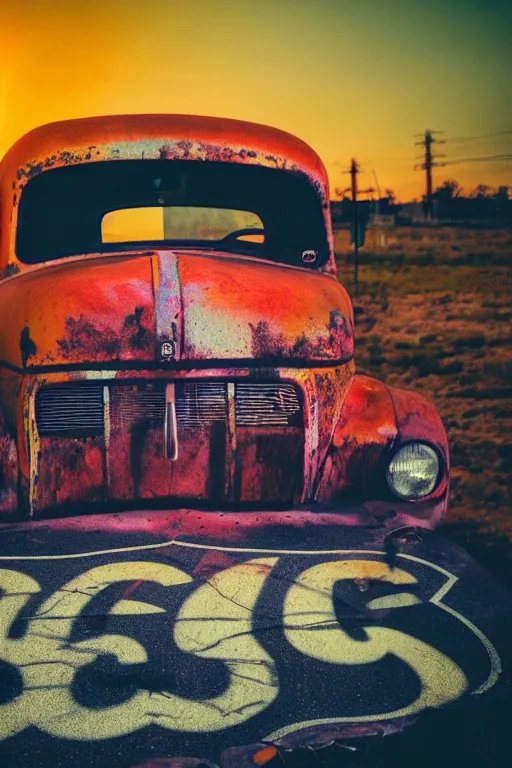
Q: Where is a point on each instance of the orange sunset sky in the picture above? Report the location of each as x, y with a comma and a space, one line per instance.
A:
350, 77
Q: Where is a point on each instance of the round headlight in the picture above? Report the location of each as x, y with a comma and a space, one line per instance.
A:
413, 471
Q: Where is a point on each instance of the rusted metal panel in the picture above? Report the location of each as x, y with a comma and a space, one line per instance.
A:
70, 471
365, 430
8, 471
339, 455
82, 312
269, 466
375, 421
123, 308
234, 465
237, 309
137, 461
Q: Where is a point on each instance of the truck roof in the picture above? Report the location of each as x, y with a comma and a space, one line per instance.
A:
151, 137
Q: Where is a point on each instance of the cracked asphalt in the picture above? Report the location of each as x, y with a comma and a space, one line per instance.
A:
168, 650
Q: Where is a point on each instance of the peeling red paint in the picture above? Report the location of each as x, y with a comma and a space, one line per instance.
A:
167, 137
82, 337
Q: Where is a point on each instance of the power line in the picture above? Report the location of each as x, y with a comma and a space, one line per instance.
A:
490, 158
468, 139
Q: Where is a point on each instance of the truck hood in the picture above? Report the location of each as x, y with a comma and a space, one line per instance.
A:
144, 308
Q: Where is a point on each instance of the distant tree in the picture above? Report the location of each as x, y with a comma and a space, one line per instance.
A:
481, 191
448, 190
502, 194
340, 193
390, 196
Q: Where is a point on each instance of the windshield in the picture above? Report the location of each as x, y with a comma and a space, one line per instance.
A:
179, 222
115, 205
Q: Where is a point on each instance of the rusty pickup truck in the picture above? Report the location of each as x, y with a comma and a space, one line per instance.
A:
217, 542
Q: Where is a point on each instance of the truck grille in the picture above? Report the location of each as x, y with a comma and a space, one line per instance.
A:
267, 405
200, 403
70, 410
77, 410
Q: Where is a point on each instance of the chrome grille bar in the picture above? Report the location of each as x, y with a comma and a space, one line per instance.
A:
267, 405
77, 409
70, 409
200, 403
140, 404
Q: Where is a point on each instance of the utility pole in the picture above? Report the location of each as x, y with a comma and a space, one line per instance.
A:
354, 170
357, 234
428, 169
427, 165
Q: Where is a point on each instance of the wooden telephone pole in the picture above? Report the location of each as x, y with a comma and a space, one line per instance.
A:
354, 170
357, 235
427, 165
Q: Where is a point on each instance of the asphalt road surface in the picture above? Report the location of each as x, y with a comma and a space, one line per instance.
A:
147, 638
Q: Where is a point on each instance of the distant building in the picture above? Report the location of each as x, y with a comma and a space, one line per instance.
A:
381, 220
378, 212
414, 213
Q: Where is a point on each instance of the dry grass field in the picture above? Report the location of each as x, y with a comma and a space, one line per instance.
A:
436, 315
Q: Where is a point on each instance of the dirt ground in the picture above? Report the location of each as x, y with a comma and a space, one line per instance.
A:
435, 316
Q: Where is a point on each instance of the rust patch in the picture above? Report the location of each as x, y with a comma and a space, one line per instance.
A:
269, 465
9, 270
185, 147
8, 472
267, 344
70, 470
27, 346
138, 335
363, 435
33, 169
68, 158
83, 337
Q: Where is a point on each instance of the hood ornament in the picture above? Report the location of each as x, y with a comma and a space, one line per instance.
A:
167, 351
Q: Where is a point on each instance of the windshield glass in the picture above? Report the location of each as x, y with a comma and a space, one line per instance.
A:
114, 205
177, 223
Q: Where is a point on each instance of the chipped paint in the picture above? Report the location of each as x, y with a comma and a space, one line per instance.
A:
9, 270
27, 347
154, 137
140, 320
